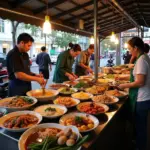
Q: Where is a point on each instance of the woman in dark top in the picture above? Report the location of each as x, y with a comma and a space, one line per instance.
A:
65, 60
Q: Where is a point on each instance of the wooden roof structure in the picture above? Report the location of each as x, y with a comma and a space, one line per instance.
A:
113, 15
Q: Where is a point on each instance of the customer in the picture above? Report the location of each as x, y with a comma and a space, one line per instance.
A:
18, 66
44, 62
65, 60
139, 92
127, 57
82, 62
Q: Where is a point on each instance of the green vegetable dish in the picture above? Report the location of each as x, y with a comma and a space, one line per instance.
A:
67, 91
81, 85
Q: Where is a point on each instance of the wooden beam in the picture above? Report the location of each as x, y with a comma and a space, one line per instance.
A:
50, 5
72, 10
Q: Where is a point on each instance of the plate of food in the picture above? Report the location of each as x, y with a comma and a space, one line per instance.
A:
116, 93
105, 99
70, 83
84, 122
56, 86
97, 89
92, 108
66, 101
81, 85
45, 96
51, 110
17, 103
105, 81
19, 121
67, 91
82, 96
51, 136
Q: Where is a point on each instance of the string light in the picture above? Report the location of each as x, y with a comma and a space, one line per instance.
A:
92, 40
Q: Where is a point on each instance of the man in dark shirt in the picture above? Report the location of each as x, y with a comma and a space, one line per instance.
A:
44, 61
18, 66
127, 57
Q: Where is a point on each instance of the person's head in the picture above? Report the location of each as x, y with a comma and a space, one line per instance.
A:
24, 42
43, 49
91, 49
75, 50
136, 46
127, 52
147, 47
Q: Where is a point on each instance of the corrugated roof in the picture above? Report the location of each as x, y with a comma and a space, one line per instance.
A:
68, 13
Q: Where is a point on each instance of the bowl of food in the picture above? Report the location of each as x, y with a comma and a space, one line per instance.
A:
105, 99
84, 122
117, 93
51, 110
71, 83
57, 86
20, 121
81, 85
51, 136
43, 96
82, 96
92, 108
66, 101
97, 89
3, 112
67, 91
17, 103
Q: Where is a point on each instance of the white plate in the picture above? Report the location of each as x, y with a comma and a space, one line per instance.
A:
43, 98
82, 98
114, 100
106, 108
18, 113
11, 109
70, 115
124, 94
74, 99
42, 108
26, 134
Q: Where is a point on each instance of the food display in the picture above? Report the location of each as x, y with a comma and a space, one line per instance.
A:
82, 95
81, 85
96, 89
116, 93
51, 136
82, 121
51, 110
105, 99
43, 96
57, 86
92, 108
67, 91
67, 101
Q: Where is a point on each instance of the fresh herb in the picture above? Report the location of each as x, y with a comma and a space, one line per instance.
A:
27, 99
78, 119
50, 109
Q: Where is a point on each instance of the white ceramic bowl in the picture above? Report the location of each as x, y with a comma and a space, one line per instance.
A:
70, 115
42, 108
75, 95
122, 92
11, 109
18, 113
26, 134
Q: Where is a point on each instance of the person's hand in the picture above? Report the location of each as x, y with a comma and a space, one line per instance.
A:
71, 77
122, 86
39, 75
90, 70
76, 77
41, 81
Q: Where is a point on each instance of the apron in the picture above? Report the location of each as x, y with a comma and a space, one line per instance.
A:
20, 87
81, 71
133, 92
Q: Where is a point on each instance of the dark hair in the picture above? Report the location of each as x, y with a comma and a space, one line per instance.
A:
43, 48
137, 42
70, 45
25, 37
76, 48
91, 46
147, 47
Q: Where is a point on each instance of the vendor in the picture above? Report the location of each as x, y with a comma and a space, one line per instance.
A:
82, 62
63, 70
139, 92
18, 66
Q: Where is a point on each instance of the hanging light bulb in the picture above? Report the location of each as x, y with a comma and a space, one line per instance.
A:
47, 26
112, 38
92, 40
125, 45
116, 41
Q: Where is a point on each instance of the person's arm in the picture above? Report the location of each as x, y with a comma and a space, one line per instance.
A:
49, 62
132, 60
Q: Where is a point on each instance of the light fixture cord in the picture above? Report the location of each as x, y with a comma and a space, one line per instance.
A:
47, 8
